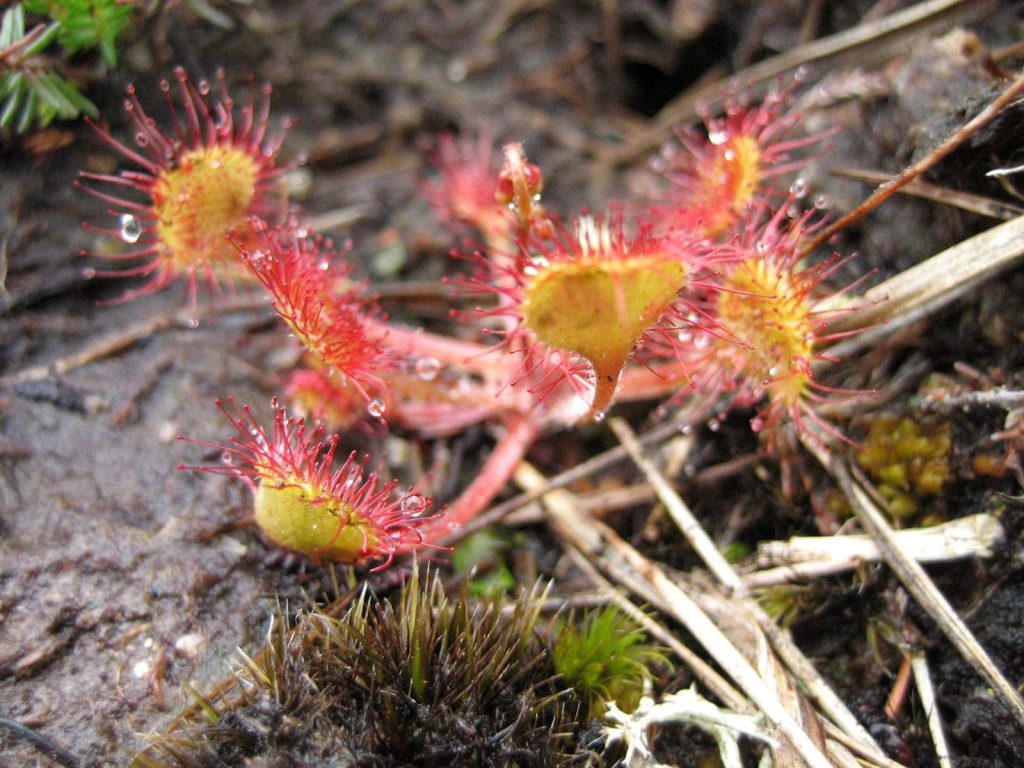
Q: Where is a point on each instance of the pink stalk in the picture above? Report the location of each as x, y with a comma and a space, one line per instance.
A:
651, 382
464, 354
521, 431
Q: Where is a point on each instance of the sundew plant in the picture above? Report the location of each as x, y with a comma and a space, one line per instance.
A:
512, 384
702, 288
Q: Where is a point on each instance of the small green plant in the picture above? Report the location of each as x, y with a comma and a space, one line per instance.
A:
908, 459
606, 659
32, 89
482, 556
85, 24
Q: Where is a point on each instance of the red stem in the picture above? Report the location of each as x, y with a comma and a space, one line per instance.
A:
643, 383
479, 358
521, 431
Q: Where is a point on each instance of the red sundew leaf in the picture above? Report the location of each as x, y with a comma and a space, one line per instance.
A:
191, 186
302, 503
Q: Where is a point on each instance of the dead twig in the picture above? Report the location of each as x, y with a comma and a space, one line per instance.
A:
890, 188
784, 646
985, 206
925, 689
803, 558
927, 287
593, 538
128, 410
56, 753
914, 578
1007, 399
898, 694
121, 340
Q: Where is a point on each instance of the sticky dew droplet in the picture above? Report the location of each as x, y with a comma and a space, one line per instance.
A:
427, 368
354, 476
131, 228
799, 188
376, 408
413, 504
456, 70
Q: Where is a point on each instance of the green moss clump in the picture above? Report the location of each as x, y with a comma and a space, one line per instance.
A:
606, 659
908, 459
426, 680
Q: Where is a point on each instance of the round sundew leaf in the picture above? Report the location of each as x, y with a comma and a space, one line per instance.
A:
600, 310
768, 310
198, 202
326, 529
740, 164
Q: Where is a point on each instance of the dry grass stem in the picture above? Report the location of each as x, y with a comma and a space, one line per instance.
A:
929, 286
803, 558
923, 681
593, 538
985, 206
727, 575
583, 469
680, 513
890, 188
915, 580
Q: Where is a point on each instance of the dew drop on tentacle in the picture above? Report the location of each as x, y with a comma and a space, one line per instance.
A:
799, 188
131, 228
413, 504
427, 368
353, 477
376, 408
